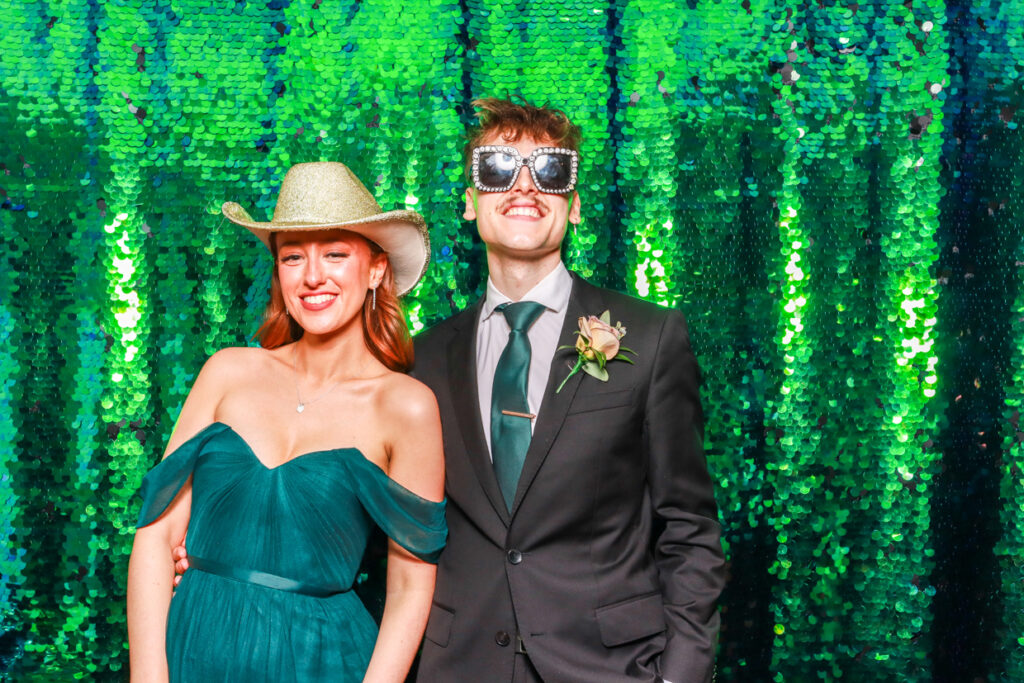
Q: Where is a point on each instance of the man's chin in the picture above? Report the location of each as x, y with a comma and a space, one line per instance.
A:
531, 239
525, 252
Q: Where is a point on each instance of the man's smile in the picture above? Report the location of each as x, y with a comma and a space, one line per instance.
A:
524, 209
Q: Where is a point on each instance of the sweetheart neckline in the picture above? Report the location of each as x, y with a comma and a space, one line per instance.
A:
267, 467
263, 466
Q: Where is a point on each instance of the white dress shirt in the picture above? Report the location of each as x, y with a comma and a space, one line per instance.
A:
492, 336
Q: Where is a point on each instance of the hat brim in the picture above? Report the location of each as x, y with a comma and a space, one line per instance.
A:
402, 234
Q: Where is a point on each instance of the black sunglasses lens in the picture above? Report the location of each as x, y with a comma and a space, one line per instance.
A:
553, 171
496, 169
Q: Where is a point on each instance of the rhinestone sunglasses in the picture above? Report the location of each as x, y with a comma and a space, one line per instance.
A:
553, 169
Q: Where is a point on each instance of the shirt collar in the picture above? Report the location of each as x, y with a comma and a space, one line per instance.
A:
553, 292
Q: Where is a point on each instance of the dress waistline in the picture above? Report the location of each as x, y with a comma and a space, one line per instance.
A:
261, 578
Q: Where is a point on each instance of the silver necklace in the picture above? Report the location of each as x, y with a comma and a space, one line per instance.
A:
301, 405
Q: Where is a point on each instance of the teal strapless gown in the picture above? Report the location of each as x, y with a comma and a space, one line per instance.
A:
274, 554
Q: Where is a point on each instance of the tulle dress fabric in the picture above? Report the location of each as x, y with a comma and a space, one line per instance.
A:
306, 522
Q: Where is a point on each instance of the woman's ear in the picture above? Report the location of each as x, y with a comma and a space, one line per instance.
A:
377, 268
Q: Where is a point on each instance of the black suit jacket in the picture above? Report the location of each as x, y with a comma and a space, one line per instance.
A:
610, 562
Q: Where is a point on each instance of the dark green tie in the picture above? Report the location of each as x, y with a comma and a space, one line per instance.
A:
510, 433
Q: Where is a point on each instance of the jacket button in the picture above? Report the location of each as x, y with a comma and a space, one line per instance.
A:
502, 638
514, 556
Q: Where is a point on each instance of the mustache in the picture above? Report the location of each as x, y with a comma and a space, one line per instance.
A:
541, 206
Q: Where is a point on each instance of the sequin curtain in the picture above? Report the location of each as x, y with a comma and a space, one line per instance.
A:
830, 191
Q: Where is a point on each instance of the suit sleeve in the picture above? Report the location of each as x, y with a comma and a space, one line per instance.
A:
688, 551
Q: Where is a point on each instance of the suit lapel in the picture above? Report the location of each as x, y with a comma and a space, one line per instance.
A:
462, 383
555, 406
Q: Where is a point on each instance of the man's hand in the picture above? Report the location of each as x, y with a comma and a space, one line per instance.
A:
180, 557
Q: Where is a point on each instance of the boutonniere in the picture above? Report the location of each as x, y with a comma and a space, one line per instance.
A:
597, 343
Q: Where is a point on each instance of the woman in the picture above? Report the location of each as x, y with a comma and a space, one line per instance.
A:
284, 455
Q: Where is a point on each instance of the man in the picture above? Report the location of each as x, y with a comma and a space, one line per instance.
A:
583, 541
583, 536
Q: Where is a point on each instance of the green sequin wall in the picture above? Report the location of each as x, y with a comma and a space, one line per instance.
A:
831, 193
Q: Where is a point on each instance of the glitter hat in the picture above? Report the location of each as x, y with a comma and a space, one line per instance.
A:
325, 195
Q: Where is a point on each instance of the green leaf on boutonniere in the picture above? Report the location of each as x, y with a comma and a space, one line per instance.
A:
596, 371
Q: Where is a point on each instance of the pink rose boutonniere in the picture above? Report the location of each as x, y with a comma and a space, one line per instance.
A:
597, 342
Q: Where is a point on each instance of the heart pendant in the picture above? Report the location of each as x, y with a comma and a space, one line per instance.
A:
299, 408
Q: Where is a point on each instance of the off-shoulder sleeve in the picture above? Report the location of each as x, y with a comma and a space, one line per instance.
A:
162, 483
415, 523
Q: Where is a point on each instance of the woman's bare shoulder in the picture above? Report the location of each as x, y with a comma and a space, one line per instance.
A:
414, 436
237, 359
235, 370
407, 398
243, 354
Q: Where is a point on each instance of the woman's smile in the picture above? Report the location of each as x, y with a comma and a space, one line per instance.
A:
317, 301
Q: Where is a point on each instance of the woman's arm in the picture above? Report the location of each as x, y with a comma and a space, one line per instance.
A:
150, 584
410, 588
151, 569
417, 463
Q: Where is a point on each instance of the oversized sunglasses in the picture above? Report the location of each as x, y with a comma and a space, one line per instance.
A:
553, 169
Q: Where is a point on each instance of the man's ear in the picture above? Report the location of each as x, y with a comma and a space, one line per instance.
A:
574, 209
470, 212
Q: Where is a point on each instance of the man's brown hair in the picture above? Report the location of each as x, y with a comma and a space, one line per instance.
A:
512, 120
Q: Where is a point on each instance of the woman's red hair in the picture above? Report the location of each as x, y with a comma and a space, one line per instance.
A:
384, 329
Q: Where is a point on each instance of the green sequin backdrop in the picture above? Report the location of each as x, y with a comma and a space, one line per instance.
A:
830, 191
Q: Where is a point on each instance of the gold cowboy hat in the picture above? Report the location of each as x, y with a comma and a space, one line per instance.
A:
325, 195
